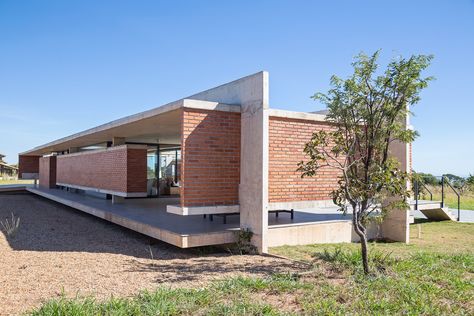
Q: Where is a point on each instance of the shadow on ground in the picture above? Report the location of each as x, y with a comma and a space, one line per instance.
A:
212, 265
50, 226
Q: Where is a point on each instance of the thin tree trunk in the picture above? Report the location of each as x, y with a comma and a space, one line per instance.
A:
365, 259
363, 240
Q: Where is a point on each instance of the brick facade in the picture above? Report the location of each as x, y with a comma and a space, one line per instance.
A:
47, 172
27, 164
118, 169
287, 138
210, 171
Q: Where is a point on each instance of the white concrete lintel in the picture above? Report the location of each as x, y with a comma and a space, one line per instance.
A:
212, 106
98, 190
297, 115
201, 210
300, 205
94, 151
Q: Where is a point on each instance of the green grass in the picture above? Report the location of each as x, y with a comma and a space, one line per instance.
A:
433, 275
445, 237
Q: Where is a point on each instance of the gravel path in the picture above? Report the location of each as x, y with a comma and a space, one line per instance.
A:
60, 250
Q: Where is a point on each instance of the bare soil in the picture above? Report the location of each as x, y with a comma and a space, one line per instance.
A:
61, 251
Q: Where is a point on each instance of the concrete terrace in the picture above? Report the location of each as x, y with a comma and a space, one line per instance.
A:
149, 217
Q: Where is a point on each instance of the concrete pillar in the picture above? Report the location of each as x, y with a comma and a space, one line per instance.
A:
73, 150
396, 225
252, 94
253, 193
117, 199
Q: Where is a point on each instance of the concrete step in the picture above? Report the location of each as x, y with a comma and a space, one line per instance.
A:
439, 214
425, 205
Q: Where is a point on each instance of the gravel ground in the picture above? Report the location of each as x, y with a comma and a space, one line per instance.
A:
58, 250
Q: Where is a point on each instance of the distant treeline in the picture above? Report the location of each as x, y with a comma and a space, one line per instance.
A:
456, 181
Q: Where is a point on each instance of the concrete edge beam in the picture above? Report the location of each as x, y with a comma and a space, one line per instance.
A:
104, 191
179, 240
297, 115
300, 205
94, 151
212, 106
202, 210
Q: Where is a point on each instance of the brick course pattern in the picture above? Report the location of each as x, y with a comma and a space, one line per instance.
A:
287, 138
47, 172
28, 164
119, 169
210, 171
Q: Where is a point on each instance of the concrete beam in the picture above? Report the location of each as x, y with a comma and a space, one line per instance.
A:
202, 210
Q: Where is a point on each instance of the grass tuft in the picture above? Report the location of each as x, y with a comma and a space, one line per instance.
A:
11, 225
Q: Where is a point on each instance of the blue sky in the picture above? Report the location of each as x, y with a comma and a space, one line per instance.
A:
69, 65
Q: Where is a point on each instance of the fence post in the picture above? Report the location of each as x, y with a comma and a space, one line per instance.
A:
442, 191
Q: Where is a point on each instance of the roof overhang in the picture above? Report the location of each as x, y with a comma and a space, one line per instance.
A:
159, 125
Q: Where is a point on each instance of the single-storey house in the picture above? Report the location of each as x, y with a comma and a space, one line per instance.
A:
195, 171
7, 170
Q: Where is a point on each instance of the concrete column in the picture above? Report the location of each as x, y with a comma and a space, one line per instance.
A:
73, 150
253, 193
252, 94
396, 225
117, 199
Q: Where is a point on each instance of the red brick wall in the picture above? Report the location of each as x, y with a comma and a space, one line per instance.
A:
27, 164
120, 169
287, 138
136, 170
47, 172
210, 170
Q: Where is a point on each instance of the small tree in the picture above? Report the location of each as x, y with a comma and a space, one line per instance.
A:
368, 112
470, 181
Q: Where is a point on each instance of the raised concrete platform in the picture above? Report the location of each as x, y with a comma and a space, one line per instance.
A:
149, 217
14, 187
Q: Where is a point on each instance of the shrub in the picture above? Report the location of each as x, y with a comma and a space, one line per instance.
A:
11, 226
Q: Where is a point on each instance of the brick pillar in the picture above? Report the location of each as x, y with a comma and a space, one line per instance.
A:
47, 172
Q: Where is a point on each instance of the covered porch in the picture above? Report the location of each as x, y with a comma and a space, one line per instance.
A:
149, 217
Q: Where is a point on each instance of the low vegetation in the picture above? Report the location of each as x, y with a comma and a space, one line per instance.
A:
433, 275
10, 225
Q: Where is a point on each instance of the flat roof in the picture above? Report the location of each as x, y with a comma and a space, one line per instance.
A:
163, 124
163, 121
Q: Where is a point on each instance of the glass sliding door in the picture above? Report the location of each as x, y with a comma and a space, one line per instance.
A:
151, 172
168, 175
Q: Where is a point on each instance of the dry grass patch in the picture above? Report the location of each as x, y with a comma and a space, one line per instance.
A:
60, 252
